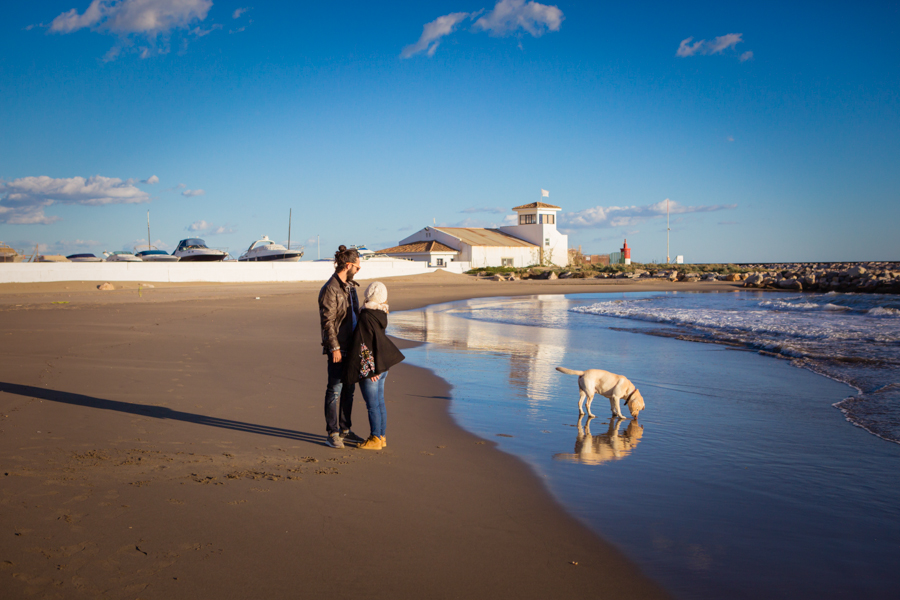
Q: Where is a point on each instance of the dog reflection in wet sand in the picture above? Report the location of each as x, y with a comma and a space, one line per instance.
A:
612, 386
598, 449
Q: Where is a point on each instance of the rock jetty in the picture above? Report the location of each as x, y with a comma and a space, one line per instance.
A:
868, 277
859, 277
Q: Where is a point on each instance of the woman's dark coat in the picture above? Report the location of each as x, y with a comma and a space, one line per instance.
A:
370, 332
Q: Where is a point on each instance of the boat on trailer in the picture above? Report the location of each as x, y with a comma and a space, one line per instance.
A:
266, 249
196, 250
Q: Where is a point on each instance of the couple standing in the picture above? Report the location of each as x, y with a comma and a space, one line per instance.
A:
357, 349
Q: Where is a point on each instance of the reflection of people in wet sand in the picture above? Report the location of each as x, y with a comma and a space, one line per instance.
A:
598, 449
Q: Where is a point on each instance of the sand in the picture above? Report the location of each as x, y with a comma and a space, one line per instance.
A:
170, 444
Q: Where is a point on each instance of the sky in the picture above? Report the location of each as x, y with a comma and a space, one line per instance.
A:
772, 129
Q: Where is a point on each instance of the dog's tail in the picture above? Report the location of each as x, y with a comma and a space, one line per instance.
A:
569, 371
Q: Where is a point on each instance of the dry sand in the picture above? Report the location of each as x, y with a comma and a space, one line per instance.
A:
170, 444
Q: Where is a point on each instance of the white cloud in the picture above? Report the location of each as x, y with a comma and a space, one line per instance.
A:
506, 18
207, 228
432, 34
23, 200
141, 244
63, 247
200, 32
198, 226
238, 12
496, 210
150, 180
192, 193
509, 16
627, 216
706, 47
135, 19
746, 56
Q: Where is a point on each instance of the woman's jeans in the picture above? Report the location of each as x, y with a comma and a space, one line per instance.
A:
373, 394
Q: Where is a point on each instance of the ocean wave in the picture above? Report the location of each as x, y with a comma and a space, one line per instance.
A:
883, 311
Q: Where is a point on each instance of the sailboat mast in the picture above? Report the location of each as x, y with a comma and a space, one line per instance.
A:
290, 212
148, 229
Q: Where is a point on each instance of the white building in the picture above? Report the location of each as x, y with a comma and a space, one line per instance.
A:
533, 241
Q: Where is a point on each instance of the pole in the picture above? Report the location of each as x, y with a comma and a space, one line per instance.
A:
148, 229
667, 231
318, 249
290, 212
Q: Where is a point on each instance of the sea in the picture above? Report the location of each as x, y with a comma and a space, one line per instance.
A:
766, 462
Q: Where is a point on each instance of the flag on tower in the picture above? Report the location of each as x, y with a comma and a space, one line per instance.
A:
545, 193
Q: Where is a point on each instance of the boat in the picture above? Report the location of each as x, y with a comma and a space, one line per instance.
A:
195, 249
84, 257
52, 258
7, 254
155, 255
266, 249
364, 253
121, 256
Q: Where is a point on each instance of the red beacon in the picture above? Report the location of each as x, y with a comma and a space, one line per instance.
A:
626, 253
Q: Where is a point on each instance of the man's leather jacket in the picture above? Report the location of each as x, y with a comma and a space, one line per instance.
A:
334, 314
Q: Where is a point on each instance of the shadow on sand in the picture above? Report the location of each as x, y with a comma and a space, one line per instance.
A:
156, 412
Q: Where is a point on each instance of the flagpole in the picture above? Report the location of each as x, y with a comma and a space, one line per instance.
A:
667, 231
148, 229
290, 212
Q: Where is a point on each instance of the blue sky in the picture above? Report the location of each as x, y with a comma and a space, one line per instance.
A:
772, 128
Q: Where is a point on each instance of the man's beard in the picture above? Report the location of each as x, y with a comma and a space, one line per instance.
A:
350, 274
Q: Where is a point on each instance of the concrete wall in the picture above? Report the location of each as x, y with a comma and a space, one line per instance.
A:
222, 272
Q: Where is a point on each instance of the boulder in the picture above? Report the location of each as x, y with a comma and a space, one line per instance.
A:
853, 272
790, 284
566, 275
733, 277
106, 286
754, 280
550, 275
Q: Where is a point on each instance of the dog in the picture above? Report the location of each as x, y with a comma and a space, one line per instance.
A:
612, 386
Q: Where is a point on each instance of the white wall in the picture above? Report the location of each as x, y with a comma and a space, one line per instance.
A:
558, 250
221, 272
490, 256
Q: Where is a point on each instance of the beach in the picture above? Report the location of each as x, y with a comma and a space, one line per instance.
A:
169, 442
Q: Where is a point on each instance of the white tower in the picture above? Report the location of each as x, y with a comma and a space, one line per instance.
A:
536, 223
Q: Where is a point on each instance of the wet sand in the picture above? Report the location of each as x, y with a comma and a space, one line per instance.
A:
170, 444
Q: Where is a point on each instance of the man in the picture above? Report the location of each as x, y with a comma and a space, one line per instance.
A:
338, 313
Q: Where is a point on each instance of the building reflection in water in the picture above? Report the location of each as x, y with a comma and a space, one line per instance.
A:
598, 449
528, 340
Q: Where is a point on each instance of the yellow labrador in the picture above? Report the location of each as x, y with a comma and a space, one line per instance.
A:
615, 387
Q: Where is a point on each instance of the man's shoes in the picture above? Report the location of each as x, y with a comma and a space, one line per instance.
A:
373, 443
334, 440
348, 435
383, 441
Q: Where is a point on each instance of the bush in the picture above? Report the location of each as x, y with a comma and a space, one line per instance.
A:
491, 270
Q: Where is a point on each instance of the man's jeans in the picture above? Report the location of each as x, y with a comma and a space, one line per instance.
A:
338, 399
373, 394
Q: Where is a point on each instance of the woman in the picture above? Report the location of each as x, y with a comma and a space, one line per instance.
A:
371, 355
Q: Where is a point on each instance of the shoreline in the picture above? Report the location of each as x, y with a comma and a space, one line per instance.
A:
207, 488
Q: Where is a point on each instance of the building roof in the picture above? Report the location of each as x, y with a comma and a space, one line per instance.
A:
475, 236
430, 246
536, 205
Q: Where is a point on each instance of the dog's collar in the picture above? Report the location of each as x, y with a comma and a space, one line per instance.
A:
630, 396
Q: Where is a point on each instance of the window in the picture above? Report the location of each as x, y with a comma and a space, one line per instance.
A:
546, 241
506, 262
548, 219
439, 262
527, 219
